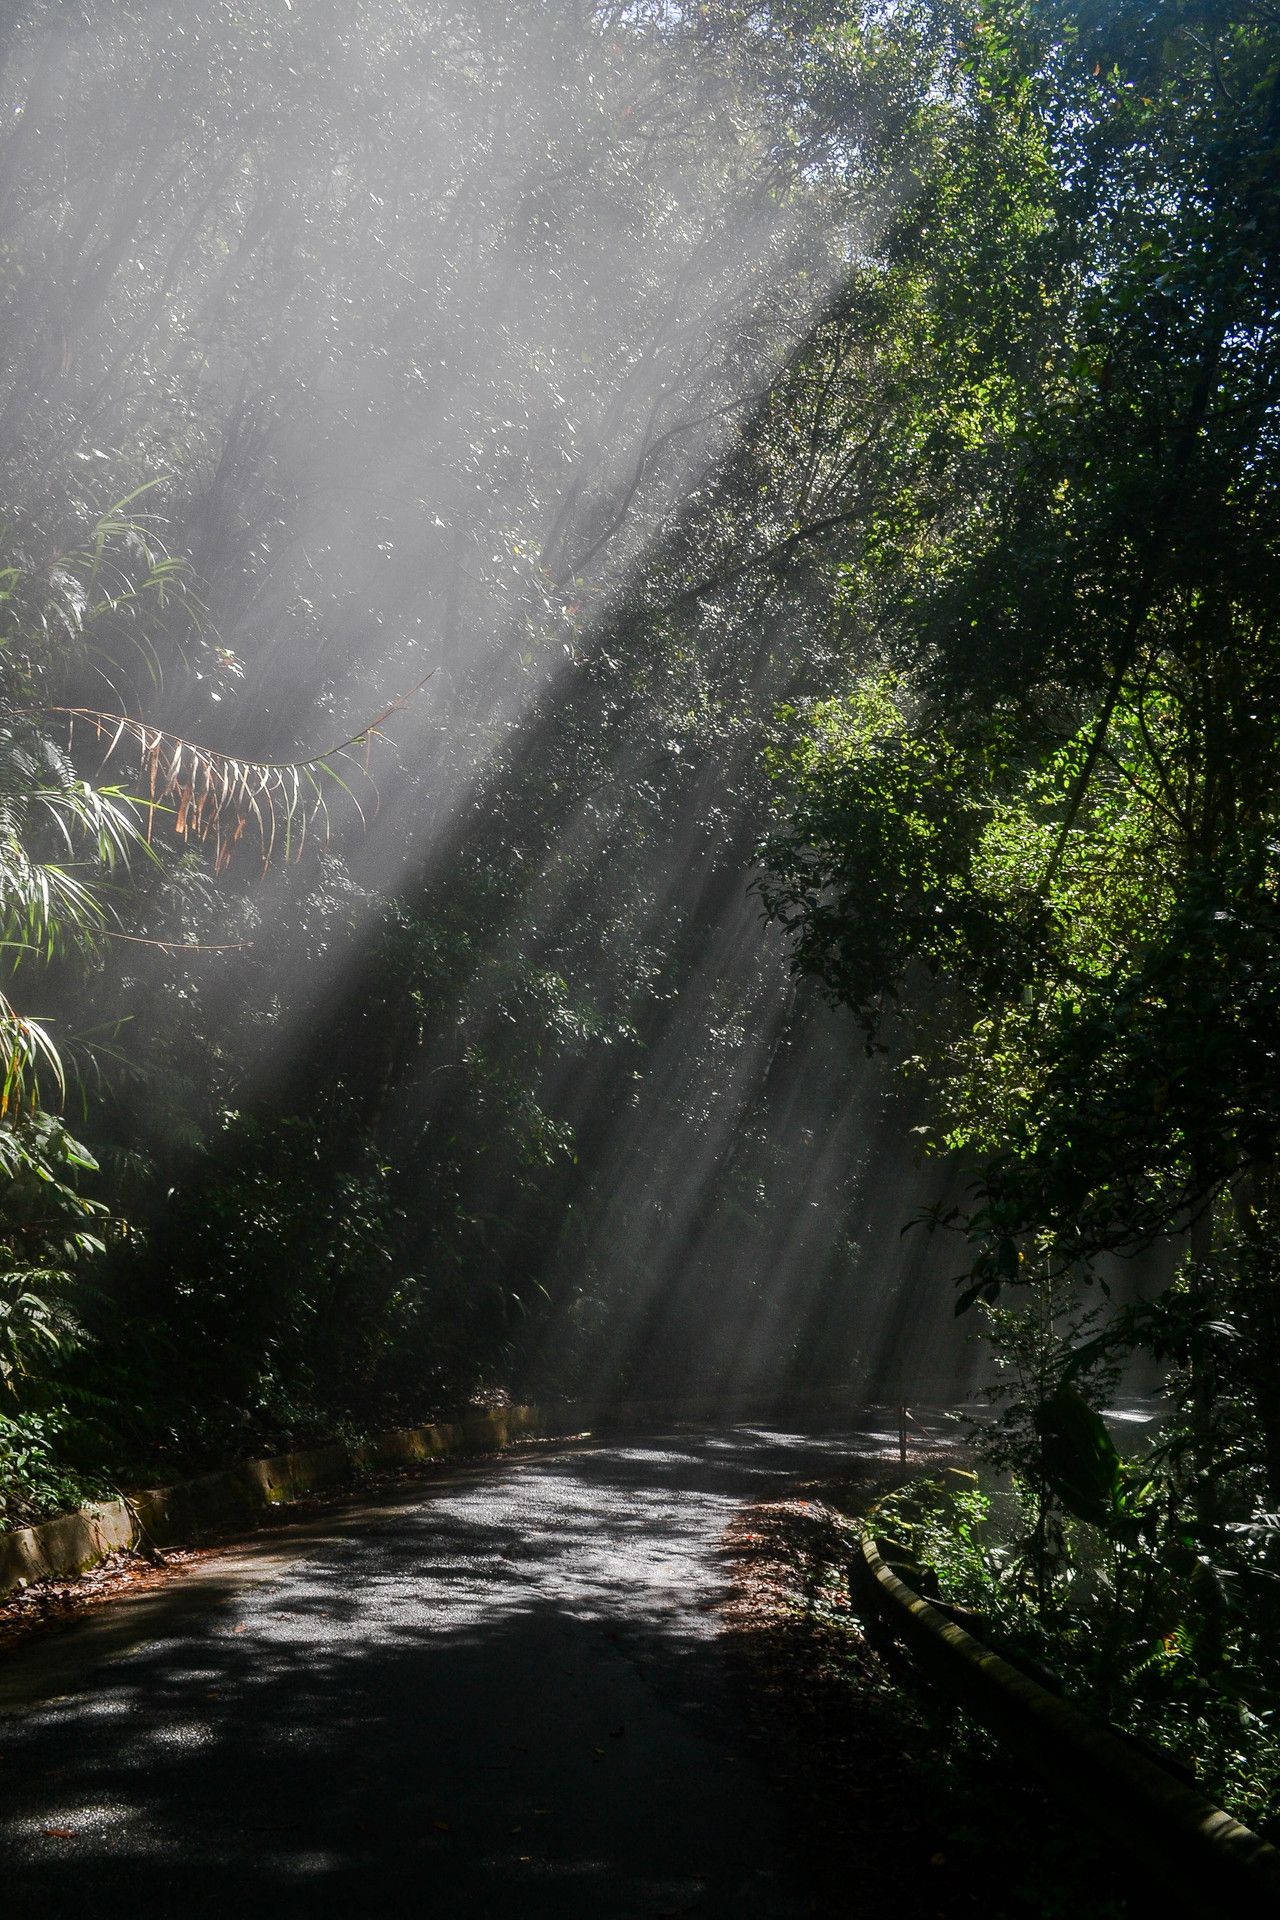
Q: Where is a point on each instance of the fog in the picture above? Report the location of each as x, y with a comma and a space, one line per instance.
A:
457, 349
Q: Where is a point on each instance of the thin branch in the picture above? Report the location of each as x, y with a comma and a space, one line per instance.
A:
177, 946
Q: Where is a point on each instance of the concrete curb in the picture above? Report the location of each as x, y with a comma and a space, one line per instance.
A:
74, 1542
1206, 1861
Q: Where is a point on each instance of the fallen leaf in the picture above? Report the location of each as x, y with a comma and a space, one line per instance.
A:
60, 1833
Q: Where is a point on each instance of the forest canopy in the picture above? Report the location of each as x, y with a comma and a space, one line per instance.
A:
490, 390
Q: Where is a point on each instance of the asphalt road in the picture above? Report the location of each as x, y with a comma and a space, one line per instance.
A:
499, 1694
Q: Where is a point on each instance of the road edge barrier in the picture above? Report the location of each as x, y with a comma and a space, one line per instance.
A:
72, 1543
1208, 1862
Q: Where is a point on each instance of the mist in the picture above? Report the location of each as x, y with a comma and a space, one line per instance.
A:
466, 357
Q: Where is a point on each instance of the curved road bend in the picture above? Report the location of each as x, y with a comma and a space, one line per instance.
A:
499, 1695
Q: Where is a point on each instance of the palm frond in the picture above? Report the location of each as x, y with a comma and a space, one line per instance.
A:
48, 906
217, 798
26, 1051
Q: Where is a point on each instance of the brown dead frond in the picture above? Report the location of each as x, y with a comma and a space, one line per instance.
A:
219, 798
25, 1051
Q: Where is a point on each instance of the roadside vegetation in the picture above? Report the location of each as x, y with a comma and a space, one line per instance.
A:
880, 1769
1033, 844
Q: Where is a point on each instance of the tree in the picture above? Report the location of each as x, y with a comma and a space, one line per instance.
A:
1045, 825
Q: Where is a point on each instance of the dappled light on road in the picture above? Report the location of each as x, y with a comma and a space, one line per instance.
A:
507, 1689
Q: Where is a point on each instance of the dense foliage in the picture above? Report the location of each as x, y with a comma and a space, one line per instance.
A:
1044, 822
538, 359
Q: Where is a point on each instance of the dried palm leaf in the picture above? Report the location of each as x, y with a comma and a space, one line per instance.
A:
217, 798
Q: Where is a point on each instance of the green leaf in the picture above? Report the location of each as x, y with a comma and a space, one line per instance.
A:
1079, 1460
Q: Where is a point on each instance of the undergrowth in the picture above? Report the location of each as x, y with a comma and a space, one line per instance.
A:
936, 1816
1110, 1624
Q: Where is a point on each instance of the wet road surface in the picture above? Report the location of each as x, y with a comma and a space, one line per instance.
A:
499, 1695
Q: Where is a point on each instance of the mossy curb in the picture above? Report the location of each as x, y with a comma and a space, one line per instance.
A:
1206, 1862
74, 1542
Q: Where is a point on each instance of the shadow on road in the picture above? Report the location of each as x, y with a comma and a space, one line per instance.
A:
506, 1696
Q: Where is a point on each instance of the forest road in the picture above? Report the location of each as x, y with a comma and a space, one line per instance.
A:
496, 1694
